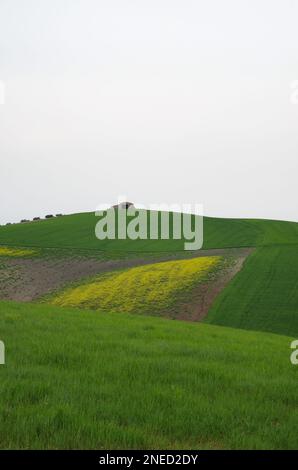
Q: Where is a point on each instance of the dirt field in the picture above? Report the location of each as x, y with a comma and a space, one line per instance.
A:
205, 293
28, 279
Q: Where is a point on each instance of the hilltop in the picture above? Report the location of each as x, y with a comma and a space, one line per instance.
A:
78, 231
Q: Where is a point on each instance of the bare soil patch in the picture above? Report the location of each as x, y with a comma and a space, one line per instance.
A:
28, 279
205, 293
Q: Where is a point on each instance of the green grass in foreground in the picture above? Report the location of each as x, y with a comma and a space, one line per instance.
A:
79, 379
264, 294
78, 231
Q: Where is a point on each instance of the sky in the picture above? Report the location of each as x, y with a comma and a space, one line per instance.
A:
163, 101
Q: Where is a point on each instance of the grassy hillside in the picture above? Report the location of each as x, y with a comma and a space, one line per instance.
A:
264, 295
79, 379
78, 231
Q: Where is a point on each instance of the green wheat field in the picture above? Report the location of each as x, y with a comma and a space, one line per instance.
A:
94, 365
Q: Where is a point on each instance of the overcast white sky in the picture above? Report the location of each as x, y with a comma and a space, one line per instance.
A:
178, 101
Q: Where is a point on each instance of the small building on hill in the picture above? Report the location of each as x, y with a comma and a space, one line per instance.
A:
123, 205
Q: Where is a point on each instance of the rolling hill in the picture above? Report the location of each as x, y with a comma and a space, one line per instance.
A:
78, 231
262, 296
83, 379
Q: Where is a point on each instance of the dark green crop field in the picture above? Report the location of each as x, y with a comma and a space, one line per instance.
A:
78, 231
264, 295
79, 379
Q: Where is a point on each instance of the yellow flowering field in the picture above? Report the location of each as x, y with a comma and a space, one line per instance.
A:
144, 289
16, 252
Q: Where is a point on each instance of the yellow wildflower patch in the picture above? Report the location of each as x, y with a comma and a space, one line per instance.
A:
144, 289
7, 251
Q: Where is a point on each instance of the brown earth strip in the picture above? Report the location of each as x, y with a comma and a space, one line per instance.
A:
205, 293
28, 279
